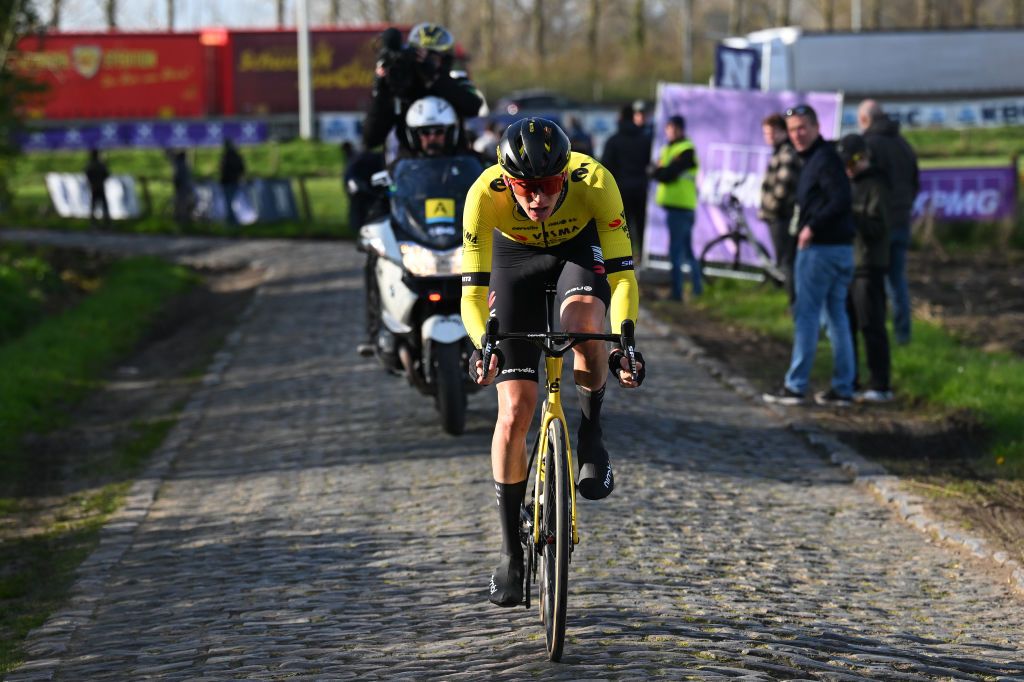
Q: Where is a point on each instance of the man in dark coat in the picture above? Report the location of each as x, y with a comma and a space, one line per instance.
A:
96, 172
232, 169
866, 302
896, 160
626, 154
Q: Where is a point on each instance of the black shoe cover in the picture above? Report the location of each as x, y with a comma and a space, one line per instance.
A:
596, 480
507, 582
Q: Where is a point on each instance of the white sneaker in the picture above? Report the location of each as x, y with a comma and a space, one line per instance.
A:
873, 396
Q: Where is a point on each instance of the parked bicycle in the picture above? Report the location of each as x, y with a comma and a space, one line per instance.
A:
748, 258
549, 530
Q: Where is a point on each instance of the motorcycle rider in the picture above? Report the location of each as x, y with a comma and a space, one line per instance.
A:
432, 129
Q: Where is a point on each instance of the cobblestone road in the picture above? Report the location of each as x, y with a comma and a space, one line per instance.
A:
312, 522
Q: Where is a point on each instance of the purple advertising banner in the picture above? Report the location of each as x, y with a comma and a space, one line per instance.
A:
725, 126
150, 134
987, 193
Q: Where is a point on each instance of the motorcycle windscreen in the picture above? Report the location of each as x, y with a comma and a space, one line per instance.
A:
427, 198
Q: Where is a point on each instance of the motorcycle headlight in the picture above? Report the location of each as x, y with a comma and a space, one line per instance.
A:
424, 262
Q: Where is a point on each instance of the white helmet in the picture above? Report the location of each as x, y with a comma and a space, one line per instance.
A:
429, 112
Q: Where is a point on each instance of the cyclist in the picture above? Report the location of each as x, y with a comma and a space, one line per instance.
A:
544, 213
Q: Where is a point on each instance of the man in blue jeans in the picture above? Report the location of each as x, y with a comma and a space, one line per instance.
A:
676, 175
824, 264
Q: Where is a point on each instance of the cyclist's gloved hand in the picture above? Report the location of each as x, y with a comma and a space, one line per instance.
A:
619, 366
475, 365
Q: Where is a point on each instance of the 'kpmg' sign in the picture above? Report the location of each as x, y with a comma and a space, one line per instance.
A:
967, 193
725, 126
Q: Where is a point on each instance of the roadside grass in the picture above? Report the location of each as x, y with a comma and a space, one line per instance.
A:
40, 566
60, 358
976, 142
46, 363
936, 370
319, 164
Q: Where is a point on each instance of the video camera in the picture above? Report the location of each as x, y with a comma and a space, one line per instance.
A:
404, 69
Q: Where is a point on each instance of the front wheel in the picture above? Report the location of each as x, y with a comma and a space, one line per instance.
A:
556, 534
451, 389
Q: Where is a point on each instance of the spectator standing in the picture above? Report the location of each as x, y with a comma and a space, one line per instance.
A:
676, 175
96, 173
627, 154
579, 138
895, 158
486, 145
778, 195
824, 264
232, 170
184, 189
866, 302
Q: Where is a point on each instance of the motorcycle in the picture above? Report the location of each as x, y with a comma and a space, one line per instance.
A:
414, 280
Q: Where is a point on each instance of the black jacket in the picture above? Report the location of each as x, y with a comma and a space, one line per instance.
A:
381, 117
870, 195
895, 158
823, 195
626, 155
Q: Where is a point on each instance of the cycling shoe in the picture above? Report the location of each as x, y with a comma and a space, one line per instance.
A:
596, 480
507, 582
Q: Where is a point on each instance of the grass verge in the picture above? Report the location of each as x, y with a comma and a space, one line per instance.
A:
935, 371
62, 357
45, 535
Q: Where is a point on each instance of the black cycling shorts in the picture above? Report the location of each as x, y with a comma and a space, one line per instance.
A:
519, 274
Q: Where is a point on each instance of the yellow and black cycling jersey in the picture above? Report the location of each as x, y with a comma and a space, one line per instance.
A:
589, 196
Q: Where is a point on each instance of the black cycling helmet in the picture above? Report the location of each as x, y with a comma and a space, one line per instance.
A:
431, 37
533, 148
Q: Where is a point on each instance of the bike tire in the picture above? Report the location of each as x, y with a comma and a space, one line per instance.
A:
451, 391
557, 528
762, 273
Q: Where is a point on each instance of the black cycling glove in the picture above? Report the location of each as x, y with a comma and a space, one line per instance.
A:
478, 356
615, 365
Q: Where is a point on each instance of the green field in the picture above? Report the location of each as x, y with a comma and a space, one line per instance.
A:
320, 167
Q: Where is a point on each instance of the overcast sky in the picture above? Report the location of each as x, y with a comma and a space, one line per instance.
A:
151, 15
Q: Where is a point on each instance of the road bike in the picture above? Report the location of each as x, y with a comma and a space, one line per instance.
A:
739, 240
549, 530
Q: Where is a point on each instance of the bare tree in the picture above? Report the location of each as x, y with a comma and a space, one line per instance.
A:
925, 13
280, 13
639, 22
593, 35
1016, 11
970, 10
735, 17
783, 12
110, 10
487, 38
875, 12
386, 10
170, 15
828, 14
538, 34
446, 13
55, 14
334, 12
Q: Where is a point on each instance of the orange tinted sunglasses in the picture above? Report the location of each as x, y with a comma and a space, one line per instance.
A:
549, 185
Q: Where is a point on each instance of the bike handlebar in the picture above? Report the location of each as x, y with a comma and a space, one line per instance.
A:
557, 343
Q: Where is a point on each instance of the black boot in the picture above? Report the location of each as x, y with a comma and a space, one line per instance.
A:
596, 480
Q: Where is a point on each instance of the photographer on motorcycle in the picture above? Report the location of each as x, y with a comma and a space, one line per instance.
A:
407, 73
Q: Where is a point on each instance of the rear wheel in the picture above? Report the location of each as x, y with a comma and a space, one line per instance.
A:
451, 390
556, 534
